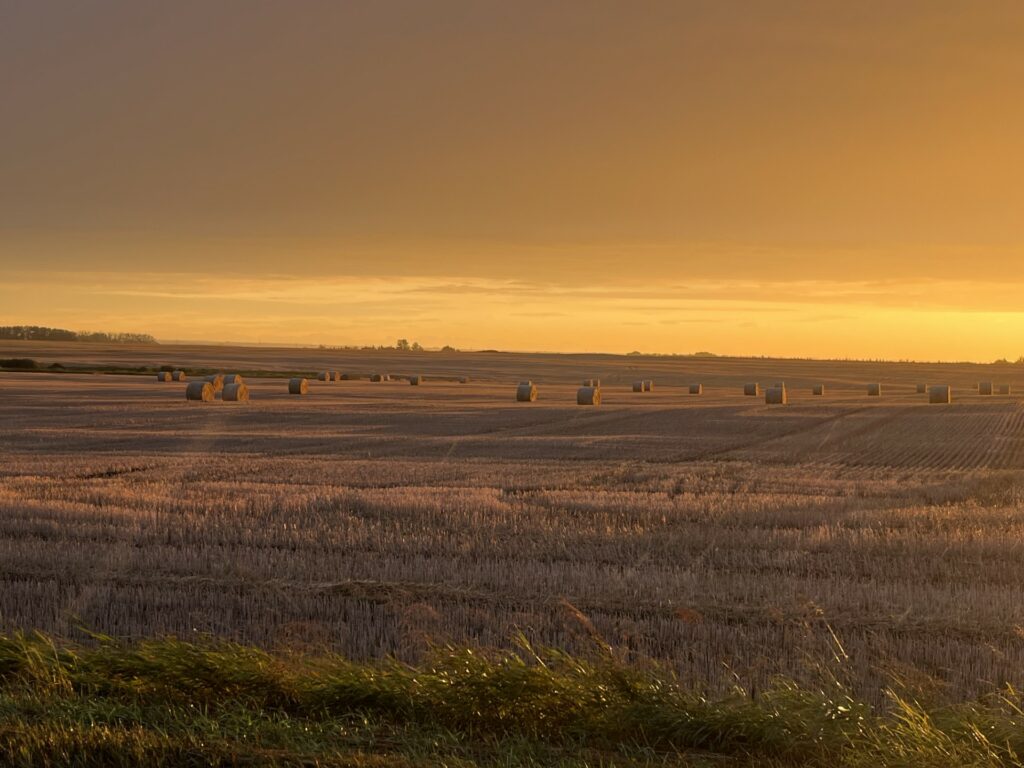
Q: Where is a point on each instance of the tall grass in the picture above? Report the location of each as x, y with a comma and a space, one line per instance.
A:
172, 702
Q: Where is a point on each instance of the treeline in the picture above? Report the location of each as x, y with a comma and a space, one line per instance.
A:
41, 333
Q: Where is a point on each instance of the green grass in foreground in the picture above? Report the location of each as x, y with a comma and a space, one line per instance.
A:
167, 702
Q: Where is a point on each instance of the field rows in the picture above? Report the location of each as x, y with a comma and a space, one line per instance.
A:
723, 537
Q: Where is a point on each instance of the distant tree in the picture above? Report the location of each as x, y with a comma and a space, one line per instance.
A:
448, 348
402, 345
1002, 360
416, 347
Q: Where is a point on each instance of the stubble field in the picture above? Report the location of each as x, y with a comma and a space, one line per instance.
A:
730, 539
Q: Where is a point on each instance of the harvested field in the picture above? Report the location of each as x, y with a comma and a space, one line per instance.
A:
723, 536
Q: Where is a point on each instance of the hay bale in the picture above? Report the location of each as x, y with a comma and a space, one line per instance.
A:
236, 393
818, 389
940, 393
233, 378
348, 377
588, 395
163, 376
638, 386
324, 376
1004, 389
922, 389
217, 380
751, 390
463, 379
526, 392
200, 390
591, 382
298, 386
648, 385
178, 376
415, 380
696, 389
338, 376
379, 377
776, 396
874, 390
985, 388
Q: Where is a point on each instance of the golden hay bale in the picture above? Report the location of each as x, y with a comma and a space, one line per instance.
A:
415, 380
163, 376
818, 389
463, 379
648, 385
236, 393
985, 388
348, 377
922, 389
178, 376
200, 390
874, 390
526, 392
696, 389
324, 376
940, 393
591, 382
233, 378
379, 377
776, 396
638, 386
217, 380
751, 390
1003, 389
338, 376
588, 396
298, 386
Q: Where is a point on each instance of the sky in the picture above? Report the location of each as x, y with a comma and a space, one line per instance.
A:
815, 179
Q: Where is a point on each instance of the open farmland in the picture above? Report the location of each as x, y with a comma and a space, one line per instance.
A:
725, 537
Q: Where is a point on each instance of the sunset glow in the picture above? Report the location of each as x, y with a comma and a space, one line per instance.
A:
794, 179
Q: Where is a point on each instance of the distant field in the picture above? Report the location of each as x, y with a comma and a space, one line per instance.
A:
726, 537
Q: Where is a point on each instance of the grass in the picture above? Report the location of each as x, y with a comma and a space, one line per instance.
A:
169, 702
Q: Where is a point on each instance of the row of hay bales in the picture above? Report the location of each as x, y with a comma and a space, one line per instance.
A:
988, 388
171, 376
231, 388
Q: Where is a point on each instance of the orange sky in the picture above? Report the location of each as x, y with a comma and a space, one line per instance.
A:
784, 178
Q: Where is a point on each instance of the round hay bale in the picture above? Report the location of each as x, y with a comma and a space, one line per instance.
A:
940, 393
338, 376
298, 386
526, 392
818, 389
874, 390
379, 377
638, 386
1004, 389
217, 380
236, 393
348, 377
163, 376
591, 382
751, 390
178, 376
324, 376
776, 396
588, 396
233, 378
985, 388
463, 379
648, 385
922, 389
415, 380
200, 390
696, 389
